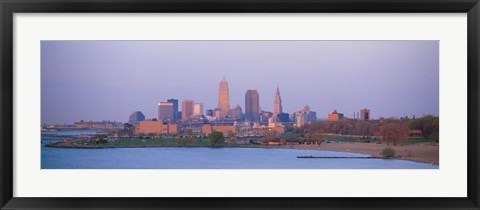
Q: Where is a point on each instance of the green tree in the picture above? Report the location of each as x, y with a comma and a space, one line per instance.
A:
216, 137
388, 152
189, 138
101, 138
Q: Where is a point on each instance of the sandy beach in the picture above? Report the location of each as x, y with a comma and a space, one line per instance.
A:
421, 152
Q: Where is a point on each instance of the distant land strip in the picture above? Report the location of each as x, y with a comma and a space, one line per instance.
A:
369, 157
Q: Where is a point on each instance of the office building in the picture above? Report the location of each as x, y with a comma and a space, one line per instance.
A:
176, 115
166, 112
209, 112
223, 98
308, 115
284, 117
335, 116
300, 121
197, 109
187, 109
154, 127
252, 105
365, 114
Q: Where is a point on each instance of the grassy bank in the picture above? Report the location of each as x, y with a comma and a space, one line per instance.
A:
164, 142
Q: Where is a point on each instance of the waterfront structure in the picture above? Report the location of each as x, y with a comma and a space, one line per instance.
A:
365, 114
136, 117
98, 125
155, 127
225, 129
271, 122
166, 111
187, 109
277, 108
223, 98
277, 129
176, 115
335, 116
197, 109
252, 105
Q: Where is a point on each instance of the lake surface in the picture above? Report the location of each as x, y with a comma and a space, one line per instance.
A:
211, 158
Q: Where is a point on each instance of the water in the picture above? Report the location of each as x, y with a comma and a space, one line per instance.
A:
211, 158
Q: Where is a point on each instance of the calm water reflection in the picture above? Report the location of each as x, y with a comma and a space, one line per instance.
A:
210, 158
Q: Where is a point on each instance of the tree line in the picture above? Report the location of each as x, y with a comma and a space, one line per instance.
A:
391, 130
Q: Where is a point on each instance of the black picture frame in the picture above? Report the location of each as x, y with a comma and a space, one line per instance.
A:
9, 7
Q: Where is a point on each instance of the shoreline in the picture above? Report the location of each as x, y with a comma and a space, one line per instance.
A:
418, 152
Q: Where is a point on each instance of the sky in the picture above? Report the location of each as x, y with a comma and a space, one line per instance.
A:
108, 80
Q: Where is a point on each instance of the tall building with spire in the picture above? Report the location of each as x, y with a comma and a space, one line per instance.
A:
277, 108
223, 98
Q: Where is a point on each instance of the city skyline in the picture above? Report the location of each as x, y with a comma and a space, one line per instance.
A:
77, 72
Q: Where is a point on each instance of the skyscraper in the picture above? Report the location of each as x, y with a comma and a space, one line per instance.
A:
166, 111
223, 98
175, 108
277, 107
252, 105
187, 109
197, 109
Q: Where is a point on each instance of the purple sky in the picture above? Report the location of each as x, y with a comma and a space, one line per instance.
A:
108, 80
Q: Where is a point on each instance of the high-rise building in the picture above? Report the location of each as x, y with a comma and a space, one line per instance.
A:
300, 121
277, 108
283, 117
175, 108
197, 109
166, 111
187, 109
223, 98
365, 114
252, 105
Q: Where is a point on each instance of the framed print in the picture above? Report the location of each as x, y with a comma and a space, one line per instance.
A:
254, 105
